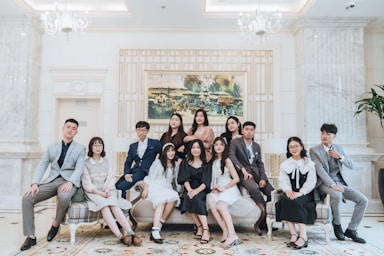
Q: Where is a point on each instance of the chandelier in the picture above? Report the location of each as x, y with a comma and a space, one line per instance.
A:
63, 21
259, 24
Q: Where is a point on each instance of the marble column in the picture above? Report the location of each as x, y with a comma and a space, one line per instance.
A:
330, 78
20, 53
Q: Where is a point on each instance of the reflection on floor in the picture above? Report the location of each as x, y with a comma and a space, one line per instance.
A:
371, 229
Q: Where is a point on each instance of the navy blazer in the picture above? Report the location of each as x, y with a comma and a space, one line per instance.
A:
144, 163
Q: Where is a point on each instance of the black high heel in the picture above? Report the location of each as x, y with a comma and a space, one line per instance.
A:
205, 241
290, 243
198, 236
156, 240
298, 247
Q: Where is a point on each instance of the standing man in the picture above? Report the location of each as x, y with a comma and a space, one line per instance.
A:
66, 159
329, 159
246, 157
143, 153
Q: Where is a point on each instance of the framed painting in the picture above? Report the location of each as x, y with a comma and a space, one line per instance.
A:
219, 93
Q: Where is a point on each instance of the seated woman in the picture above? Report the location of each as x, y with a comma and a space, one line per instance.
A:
158, 188
99, 187
297, 205
224, 191
201, 130
195, 174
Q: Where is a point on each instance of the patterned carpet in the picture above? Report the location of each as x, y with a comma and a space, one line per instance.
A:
93, 240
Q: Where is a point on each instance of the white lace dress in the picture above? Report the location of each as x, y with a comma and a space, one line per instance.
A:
160, 189
230, 195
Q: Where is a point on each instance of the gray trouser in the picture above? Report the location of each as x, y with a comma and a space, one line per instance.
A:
360, 200
46, 191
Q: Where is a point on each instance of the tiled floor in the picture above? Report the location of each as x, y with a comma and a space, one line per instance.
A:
11, 238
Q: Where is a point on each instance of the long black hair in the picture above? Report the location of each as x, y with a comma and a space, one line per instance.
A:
163, 157
224, 155
178, 138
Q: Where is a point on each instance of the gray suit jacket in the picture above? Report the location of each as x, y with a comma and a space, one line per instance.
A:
72, 167
319, 156
238, 155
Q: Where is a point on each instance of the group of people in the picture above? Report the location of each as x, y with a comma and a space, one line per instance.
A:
198, 173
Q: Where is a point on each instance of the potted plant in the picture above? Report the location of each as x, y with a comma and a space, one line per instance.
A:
373, 104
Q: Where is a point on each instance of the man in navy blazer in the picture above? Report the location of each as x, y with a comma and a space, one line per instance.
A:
142, 153
66, 159
329, 159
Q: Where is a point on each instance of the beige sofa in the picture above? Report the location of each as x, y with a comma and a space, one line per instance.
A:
244, 211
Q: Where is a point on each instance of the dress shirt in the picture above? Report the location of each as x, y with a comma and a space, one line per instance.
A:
142, 146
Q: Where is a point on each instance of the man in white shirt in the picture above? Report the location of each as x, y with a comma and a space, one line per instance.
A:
142, 153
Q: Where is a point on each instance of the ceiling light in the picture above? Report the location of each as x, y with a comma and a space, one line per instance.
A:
63, 21
257, 25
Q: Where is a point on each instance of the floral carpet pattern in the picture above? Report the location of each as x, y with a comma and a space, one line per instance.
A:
178, 240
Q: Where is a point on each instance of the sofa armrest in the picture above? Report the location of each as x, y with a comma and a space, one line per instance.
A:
139, 187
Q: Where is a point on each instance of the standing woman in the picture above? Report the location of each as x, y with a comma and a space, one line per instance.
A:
98, 181
200, 130
232, 129
175, 134
195, 174
224, 191
297, 205
158, 189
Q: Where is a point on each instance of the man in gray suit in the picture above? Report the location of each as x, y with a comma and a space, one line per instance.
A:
66, 159
329, 159
246, 157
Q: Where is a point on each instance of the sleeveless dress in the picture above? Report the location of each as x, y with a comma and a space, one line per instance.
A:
230, 195
160, 189
195, 177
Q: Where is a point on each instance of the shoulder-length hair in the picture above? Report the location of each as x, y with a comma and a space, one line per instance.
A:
224, 155
189, 155
303, 152
93, 141
194, 124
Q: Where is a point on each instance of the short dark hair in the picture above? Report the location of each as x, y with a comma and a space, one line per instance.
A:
331, 128
142, 124
72, 120
247, 123
91, 142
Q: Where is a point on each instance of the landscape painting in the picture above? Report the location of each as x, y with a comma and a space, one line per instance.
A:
221, 94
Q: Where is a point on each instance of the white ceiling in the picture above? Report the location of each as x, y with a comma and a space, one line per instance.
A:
190, 15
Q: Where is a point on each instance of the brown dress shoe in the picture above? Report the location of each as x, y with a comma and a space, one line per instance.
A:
131, 240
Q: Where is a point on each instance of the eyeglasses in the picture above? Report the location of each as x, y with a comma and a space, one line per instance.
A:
141, 129
97, 145
294, 147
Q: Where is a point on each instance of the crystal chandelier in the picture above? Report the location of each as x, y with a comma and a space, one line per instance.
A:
63, 21
259, 24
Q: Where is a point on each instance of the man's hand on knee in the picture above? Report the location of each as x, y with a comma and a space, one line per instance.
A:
128, 177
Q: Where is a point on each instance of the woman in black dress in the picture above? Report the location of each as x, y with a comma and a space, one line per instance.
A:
195, 174
297, 205
232, 129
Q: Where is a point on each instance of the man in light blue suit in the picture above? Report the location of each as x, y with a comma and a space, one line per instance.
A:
142, 153
66, 159
329, 159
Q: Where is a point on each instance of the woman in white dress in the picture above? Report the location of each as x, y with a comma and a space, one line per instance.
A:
99, 187
158, 188
224, 191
